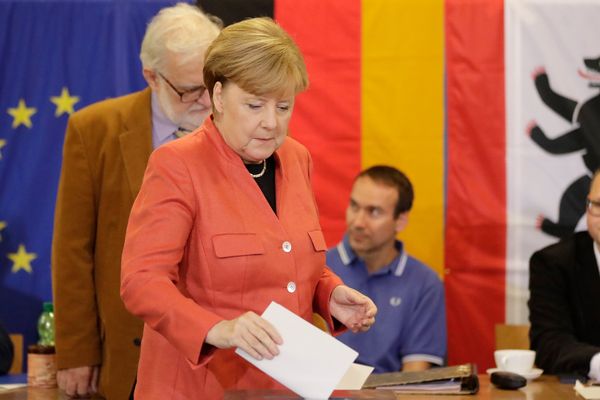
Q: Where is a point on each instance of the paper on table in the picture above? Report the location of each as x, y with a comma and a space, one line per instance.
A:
310, 362
11, 386
355, 377
587, 392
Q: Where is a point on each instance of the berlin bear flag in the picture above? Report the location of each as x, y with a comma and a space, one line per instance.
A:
523, 138
553, 127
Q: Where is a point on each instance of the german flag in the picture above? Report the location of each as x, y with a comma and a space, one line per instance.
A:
376, 96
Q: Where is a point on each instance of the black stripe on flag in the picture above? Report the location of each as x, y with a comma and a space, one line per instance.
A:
231, 11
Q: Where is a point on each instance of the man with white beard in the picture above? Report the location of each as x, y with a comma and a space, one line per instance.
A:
106, 149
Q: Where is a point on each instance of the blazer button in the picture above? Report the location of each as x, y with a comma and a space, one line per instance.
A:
291, 287
286, 246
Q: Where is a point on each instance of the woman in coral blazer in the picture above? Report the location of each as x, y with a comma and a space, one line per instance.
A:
225, 223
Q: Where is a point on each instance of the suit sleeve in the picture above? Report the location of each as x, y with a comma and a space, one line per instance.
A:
552, 332
328, 280
327, 283
76, 316
159, 225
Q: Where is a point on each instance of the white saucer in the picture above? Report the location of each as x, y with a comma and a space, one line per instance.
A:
534, 373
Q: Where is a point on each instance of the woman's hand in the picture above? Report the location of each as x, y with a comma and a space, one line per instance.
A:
250, 332
352, 308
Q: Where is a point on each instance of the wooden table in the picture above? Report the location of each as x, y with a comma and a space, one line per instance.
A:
543, 388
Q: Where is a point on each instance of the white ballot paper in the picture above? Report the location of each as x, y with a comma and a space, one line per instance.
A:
310, 362
588, 392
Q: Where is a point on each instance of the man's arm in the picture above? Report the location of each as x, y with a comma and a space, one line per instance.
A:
77, 334
426, 342
415, 366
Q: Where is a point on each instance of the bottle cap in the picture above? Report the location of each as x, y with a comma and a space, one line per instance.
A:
40, 349
48, 306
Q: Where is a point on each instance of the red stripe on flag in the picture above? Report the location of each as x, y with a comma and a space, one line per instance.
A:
475, 244
327, 117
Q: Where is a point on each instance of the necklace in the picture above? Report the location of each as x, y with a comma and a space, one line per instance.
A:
181, 132
262, 172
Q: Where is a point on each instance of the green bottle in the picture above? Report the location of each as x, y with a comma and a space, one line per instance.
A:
45, 325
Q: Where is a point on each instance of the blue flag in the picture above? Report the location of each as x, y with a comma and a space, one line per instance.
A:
55, 58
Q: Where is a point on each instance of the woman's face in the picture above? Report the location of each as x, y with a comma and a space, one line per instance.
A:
253, 126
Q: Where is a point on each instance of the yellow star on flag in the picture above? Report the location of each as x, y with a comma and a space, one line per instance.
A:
2, 144
2, 226
21, 259
64, 103
22, 114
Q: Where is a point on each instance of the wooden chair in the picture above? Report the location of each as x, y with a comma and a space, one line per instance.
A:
320, 323
17, 364
512, 336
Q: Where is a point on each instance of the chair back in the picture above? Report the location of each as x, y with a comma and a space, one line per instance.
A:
17, 363
320, 323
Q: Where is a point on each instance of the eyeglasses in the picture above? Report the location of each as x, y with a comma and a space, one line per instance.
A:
189, 96
593, 207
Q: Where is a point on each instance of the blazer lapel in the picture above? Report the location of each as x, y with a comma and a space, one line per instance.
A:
136, 139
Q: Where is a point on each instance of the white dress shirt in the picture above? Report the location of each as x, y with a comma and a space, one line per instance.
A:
162, 127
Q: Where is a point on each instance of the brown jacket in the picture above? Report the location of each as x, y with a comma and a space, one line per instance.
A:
106, 149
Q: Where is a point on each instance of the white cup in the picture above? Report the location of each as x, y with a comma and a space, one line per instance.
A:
517, 361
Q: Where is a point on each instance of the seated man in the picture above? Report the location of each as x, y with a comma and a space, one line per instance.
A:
564, 281
410, 332
6, 351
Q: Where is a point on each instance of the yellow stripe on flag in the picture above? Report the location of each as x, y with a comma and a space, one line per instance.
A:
403, 109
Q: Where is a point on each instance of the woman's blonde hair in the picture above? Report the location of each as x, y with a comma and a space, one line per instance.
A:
182, 29
258, 56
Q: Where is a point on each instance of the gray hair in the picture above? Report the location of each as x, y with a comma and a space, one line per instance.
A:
182, 30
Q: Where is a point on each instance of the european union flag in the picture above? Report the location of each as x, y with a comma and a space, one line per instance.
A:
56, 57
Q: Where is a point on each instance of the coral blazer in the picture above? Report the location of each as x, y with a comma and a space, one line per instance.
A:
107, 146
204, 245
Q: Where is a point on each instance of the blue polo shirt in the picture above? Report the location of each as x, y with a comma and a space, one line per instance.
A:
411, 320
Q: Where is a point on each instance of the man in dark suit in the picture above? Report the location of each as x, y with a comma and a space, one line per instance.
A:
564, 309
6, 351
106, 149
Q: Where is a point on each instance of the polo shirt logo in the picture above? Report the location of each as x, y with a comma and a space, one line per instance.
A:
395, 301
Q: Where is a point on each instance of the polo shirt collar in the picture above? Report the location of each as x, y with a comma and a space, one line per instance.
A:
396, 267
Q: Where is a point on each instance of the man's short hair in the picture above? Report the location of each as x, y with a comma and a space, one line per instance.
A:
390, 176
182, 29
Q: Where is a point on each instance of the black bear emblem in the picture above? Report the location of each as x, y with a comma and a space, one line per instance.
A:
585, 136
